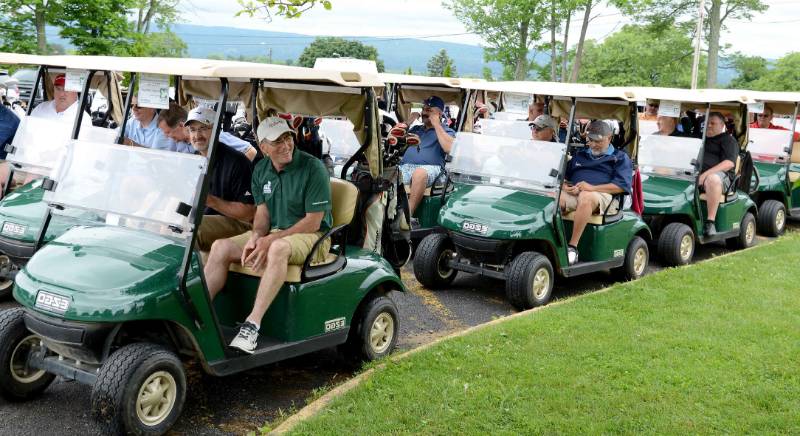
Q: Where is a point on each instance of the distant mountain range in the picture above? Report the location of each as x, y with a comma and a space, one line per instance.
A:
397, 54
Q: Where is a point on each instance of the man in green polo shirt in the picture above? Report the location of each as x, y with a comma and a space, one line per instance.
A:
292, 194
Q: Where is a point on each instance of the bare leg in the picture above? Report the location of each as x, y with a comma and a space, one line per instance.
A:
419, 182
587, 203
272, 280
713, 188
223, 253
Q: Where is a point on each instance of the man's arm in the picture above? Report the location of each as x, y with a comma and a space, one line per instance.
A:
232, 209
445, 140
261, 225
608, 188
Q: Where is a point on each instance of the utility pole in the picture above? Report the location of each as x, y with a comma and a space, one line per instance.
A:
270, 55
699, 35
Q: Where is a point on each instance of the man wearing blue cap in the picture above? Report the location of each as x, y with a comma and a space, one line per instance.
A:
422, 165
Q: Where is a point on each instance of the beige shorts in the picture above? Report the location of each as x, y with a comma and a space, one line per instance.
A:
603, 199
301, 244
216, 227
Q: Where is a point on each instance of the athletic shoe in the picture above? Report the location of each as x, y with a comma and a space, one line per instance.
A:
709, 228
572, 255
247, 339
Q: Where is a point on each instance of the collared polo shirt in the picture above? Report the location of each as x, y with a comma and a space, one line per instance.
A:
231, 177
612, 167
429, 152
8, 127
47, 110
720, 148
301, 187
150, 136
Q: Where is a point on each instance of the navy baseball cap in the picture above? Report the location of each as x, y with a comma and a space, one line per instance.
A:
434, 101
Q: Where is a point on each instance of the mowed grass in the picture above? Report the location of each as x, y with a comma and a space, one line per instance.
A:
710, 348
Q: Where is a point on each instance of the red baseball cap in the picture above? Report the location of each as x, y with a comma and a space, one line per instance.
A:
60, 80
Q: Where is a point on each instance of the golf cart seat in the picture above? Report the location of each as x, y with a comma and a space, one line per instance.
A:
794, 171
731, 194
344, 196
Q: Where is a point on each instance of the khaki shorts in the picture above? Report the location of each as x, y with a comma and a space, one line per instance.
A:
216, 227
603, 199
301, 244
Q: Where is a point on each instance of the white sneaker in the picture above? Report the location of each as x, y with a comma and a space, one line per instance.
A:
247, 339
572, 255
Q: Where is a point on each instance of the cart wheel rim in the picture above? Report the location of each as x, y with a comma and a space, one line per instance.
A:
156, 398
750, 232
541, 283
441, 264
5, 284
381, 333
640, 261
20, 371
686, 247
780, 220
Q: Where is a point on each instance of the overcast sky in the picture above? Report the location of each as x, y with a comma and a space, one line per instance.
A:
771, 34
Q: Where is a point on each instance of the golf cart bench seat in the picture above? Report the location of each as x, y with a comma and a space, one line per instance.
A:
344, 197
598, 218
794, 176
795, 161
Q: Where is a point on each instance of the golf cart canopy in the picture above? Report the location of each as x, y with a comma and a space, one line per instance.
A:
415, 89
728, 101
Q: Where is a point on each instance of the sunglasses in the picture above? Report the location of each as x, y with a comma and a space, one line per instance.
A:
764, 116
536, 128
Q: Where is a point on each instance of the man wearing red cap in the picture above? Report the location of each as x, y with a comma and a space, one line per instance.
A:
61, 106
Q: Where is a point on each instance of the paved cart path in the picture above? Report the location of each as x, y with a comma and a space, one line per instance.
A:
241, 403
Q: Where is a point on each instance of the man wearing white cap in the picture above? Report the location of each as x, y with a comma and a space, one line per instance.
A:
171, 121
293, 210
229, 205
61, 106
544, 128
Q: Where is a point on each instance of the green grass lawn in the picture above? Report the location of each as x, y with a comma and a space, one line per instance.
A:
711, 348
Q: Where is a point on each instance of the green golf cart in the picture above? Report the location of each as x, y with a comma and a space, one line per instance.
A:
117, 306
502, 219
34, 152
403, 93
776, 157
674, 207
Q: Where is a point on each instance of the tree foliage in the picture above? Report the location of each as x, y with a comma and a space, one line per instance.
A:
441, 65
22, 24
638, 56
784, 76
99, 27
748, 68
286, 8
334, 47
509, 27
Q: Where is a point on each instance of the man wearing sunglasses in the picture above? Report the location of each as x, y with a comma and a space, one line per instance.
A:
422, 165
544, 128
229, 205
764, 121
594, 174
293, 210
142, 129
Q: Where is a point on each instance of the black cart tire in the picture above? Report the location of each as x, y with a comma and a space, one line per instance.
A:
430, 261
6, 288
529, 280
140, 390
374, 331
676, 244
747, 233
18, 382
637, 257
771, 218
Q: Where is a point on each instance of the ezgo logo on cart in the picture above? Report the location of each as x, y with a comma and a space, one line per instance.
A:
474, 227
52, 302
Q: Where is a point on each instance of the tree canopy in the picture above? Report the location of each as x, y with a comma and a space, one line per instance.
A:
441, 65
335, 47
636, 56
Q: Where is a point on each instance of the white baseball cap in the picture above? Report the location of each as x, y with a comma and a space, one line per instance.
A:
201, 114
272, 128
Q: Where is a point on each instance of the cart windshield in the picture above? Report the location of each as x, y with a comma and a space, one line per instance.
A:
338, 139
668, 155
39, 142
146, 186
769, 145
648, 127
509, 129
496, 160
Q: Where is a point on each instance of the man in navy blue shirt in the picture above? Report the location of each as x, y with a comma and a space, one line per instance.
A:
422, 165
594, 174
